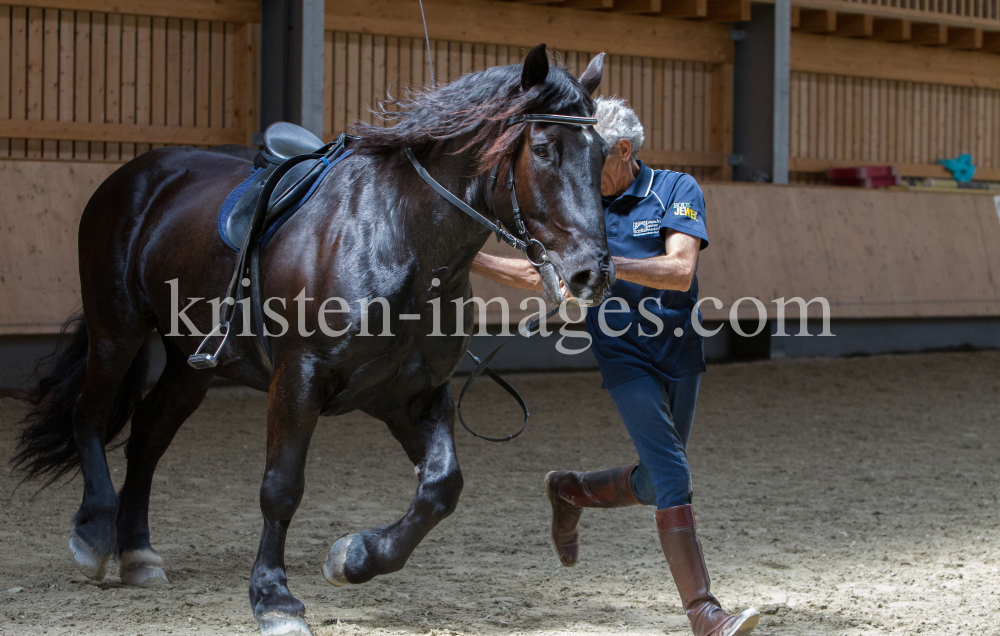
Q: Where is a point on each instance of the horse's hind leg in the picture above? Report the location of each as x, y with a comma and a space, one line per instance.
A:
430, 445
109, 358
178, 392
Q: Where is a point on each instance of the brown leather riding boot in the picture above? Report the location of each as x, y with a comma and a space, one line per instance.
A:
682, 548
570, 492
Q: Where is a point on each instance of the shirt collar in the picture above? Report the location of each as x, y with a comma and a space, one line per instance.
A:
641, 187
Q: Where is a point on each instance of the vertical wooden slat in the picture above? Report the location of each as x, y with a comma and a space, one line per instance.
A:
67, 26
128, 90
18, 72
33, 77
328, 63
353, 78
392, 69
378, 75
158, 65
202, 64
143, 77
244, 90
648, 117
98, 79
439, 49
722, 117
217, 75
679, 106
490, 56
81, 82
667, 131
174, 88
405, 66
113, 70
339, 82
365, 90
698, 104
466, 59
418, 64
614, 72
657, 116
4, 73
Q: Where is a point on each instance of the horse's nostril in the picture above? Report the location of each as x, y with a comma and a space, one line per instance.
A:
582, 280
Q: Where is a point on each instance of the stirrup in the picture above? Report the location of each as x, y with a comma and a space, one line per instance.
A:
200, 360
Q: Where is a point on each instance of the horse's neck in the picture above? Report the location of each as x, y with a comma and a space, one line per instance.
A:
459, 234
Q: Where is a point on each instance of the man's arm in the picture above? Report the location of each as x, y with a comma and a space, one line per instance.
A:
674, 270
515, 272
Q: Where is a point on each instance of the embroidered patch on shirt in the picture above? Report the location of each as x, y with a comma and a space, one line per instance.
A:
684, 209
646, 228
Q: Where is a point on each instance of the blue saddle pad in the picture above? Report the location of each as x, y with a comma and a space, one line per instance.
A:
230, 204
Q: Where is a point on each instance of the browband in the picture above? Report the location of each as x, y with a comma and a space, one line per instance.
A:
553, 119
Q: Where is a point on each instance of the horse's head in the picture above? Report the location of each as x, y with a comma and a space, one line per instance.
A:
557, 172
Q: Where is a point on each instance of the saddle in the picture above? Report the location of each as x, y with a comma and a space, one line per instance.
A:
287, 171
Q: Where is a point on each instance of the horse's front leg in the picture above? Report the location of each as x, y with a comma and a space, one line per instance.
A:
430, 445
294, 403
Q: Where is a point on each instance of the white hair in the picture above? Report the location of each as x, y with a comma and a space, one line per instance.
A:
616, 121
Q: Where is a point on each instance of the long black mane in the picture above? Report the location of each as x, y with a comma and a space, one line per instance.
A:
475, 107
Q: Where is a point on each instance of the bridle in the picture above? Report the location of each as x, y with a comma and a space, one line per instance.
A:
523, 242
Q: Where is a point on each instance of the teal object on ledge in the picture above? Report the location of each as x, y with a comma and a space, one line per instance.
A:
961, 167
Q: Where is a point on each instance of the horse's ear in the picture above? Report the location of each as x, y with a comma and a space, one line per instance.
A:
536, 67
591, 78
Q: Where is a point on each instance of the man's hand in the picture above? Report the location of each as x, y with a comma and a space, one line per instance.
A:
515, 272
674, 270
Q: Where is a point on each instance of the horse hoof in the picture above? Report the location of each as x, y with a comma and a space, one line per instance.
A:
142, 568
93, 565
333, 568
275, 624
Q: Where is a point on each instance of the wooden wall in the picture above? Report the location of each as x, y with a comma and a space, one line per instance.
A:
93, 85
890, 121
871, 253
674, 99
862, 101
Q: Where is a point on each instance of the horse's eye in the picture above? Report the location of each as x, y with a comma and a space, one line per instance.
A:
540, 151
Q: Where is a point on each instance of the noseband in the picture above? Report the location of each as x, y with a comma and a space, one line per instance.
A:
522, 241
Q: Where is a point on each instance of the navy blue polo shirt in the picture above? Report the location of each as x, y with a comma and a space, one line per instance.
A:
637, 223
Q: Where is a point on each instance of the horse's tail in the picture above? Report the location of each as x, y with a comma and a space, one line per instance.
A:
46, 447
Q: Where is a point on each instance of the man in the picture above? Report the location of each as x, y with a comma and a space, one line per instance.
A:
656, 228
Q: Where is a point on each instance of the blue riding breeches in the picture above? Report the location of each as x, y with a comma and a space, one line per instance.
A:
658, 417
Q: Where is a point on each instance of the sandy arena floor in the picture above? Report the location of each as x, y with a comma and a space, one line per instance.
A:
854, 496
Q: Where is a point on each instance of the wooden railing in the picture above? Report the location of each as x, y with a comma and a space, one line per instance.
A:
84, 84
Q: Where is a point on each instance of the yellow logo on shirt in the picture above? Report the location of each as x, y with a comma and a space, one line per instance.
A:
684, 209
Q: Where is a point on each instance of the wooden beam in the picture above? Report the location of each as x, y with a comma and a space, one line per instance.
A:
139, 133
929, 34
817, 21
912, 170
892, 30
587, 4
991, 42
223, 10
913, 15
683, 158
527, 25
685, 8
881, 60
965, 39
641, 7
729, 10
855, 26
796, 17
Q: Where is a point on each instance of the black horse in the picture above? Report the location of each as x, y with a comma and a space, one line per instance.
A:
372, 230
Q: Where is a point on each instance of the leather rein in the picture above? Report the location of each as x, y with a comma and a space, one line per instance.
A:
523, 242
